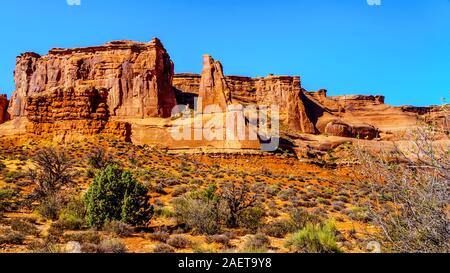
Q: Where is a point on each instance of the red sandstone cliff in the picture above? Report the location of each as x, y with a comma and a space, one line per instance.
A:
213, 89
3, 109
137, 77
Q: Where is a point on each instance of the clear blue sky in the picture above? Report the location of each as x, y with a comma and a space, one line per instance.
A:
400, 49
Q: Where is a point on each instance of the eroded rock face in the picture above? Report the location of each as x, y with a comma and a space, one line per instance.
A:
3, 109
71, 113
213, 88
136, 76
342, 129
282, 91
298, 118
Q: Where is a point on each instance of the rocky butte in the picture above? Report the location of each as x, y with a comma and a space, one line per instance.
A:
89, 86
128, 90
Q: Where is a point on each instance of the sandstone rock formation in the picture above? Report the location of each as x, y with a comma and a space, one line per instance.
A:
261, 90
126, 89
283, 91
342, 129
213, 88
298, 118
3, 109
70, 113
136, 76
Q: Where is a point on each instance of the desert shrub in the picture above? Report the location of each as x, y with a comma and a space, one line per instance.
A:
85, 237
99, 158
416, 179
163, 248
73, 215
24, 227
202, 248
112, 246
256, 244
6, 198
2, 166
13, 177
279, 228
105, 246
118, 228
318, 238
55, 232
237, 197
179, 191
11, 237
160, 236
165, 212
179, 241
218, 239
50, 207
359, 213
201, 211
116, 195
300, 217
45, 247
53, 169
251, 218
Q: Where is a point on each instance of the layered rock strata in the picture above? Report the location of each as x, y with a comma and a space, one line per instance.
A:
136, 76
72, 113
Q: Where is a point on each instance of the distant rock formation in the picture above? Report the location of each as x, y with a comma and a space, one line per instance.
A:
282, 91
110, 88
4, 116
137, 77
361, 131
213, 89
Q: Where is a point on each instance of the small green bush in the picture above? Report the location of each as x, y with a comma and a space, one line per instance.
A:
72, 217
116, 195
201, 211
319, 238
251, 218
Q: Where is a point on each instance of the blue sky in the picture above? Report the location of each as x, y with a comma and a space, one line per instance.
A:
400, 49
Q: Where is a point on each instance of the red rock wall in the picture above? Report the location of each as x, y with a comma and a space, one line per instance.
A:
82, 111
3, 109
137, 77
268, 90
283, 91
